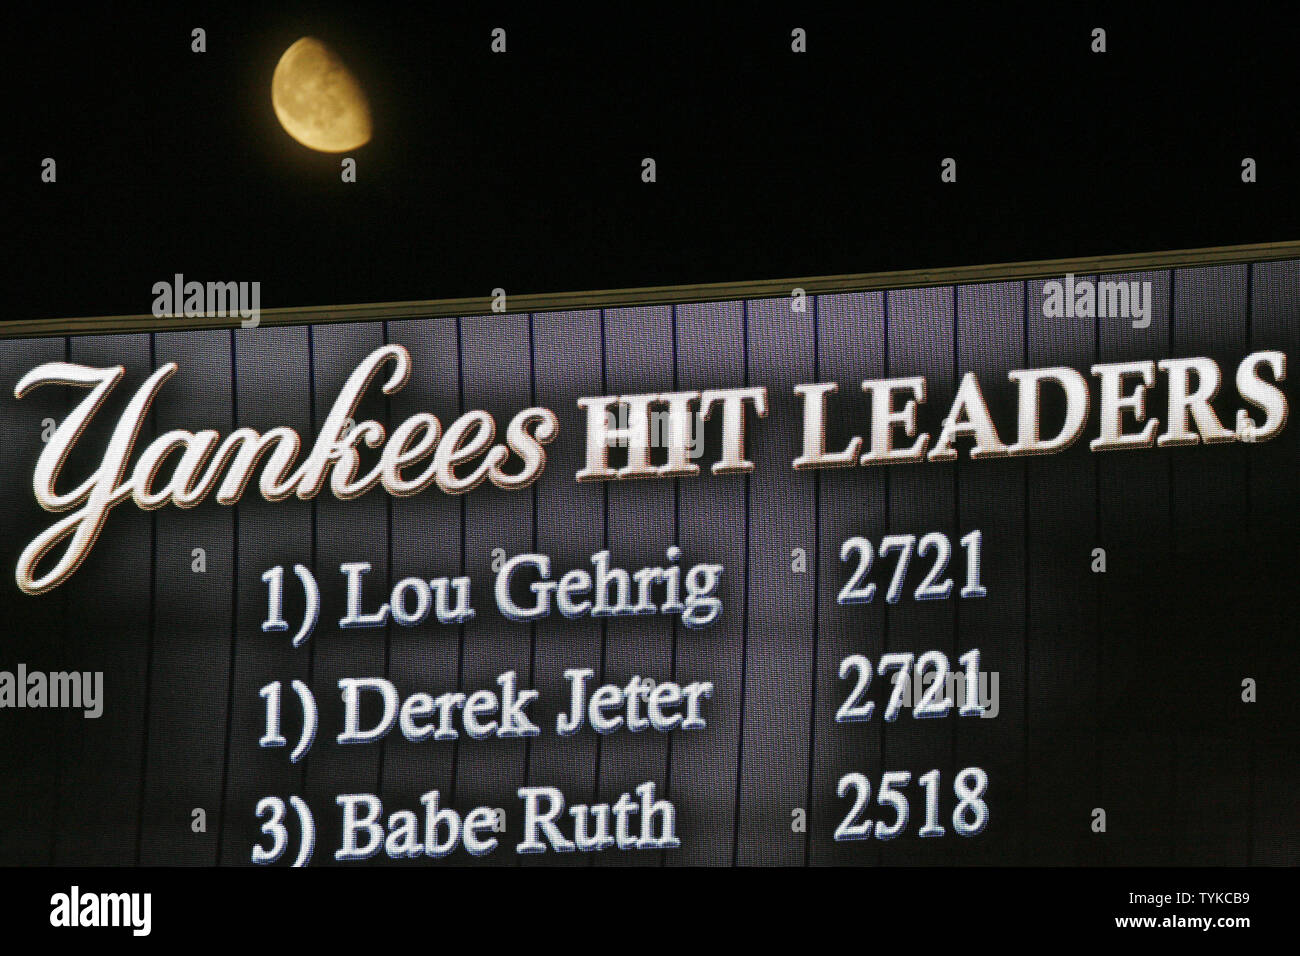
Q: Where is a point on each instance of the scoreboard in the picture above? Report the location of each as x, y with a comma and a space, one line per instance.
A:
992, 566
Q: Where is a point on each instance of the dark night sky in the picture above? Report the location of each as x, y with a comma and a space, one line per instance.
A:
523, 170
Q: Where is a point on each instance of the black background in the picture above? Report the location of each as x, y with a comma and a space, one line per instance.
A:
522, 170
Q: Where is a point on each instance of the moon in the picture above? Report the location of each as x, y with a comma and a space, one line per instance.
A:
317, 99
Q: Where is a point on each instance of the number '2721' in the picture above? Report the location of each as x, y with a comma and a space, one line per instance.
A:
933, 547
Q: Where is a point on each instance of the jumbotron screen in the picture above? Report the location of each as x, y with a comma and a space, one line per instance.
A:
838, 468
985, 572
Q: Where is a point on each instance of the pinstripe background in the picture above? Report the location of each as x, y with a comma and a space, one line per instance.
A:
1118, 691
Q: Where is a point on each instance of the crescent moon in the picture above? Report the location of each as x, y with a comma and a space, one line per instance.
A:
317, 99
